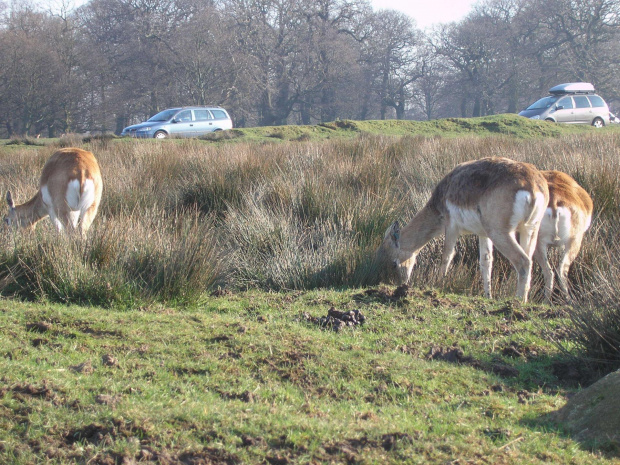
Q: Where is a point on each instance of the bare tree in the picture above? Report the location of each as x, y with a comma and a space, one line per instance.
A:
33, 76
391, 53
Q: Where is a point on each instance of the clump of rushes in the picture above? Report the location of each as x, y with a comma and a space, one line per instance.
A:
172, 260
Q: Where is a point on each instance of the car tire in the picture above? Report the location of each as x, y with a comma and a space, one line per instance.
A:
160, 135
549, 120
598, 123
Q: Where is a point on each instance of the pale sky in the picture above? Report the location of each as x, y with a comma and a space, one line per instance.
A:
428, 12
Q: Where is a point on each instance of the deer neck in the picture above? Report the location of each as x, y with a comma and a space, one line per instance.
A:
427, 224
31, 212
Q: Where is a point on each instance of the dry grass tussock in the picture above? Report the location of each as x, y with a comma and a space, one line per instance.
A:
302, 215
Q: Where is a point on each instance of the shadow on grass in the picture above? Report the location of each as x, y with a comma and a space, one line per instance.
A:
591, 417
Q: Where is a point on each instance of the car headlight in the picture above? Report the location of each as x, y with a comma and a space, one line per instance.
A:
535, 117
145, 129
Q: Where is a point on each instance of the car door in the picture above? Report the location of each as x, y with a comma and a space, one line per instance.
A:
182, 124
583, 110
565, 110
203, 122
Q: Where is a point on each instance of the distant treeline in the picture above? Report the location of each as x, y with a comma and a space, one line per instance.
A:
110, 63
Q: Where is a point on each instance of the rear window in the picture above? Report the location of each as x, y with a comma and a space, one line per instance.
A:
596, 101
219, 114
581, 101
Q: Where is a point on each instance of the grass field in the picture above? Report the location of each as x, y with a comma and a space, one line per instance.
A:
250, 378
191, 326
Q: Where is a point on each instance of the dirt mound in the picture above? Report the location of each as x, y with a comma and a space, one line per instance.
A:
337, 320
593, 415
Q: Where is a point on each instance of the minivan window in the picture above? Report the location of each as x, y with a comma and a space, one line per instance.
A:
184, 116
566, 102
581, 101
596, 101
163, 115
543, 103
202, 115
219, 114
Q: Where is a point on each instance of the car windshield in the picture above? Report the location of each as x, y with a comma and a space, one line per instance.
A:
543, 103
163, 115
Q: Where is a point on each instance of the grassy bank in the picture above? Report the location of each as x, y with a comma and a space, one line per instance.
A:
497, 125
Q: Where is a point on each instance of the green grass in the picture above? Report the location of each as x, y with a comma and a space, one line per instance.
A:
497, 125
246, 378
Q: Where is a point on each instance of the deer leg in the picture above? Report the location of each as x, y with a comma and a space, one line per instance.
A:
87, 219
58, 219
452, 235
528, 237
571, 249
540, 256
508, 246
485, 246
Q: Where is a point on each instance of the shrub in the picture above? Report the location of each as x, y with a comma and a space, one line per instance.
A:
122, 263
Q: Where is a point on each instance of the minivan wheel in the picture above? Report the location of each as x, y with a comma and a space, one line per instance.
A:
549, 120
598, 123
160, 135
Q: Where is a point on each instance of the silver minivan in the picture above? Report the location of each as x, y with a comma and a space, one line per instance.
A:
574, 103
181, 122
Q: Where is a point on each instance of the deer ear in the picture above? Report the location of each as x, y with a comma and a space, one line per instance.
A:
9, 200
395, 233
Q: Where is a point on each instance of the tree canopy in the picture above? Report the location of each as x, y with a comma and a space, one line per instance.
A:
109, 63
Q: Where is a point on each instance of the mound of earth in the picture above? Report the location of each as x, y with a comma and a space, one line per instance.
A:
337, 320
593, 415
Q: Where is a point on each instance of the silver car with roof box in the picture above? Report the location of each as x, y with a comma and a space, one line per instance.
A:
181, 122
573, 103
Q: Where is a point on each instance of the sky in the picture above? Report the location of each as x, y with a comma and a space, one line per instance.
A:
428, 12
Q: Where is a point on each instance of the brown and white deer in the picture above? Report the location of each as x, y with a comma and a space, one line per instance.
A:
567, 218
69, 193
493, 198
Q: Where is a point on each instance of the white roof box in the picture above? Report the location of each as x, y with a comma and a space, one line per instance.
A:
573, 88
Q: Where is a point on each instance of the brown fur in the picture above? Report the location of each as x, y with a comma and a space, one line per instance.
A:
470, 181
64, 166
486, 190
564, 191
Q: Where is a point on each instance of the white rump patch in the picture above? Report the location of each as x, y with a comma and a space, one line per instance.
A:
521, 208
564, 223
524, 212
80, 201
73, 194
47, 198
557, 231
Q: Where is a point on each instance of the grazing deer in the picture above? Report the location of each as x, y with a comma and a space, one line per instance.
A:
567, 218
69, 192
494, 198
